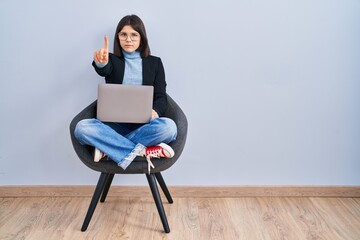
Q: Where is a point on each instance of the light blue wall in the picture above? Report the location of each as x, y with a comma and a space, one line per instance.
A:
271, 89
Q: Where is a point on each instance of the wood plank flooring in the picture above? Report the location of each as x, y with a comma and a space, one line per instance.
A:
189, 218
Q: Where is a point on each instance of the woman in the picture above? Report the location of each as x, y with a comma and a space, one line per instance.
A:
131, 63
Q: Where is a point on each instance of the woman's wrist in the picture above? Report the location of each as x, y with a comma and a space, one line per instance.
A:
100, 65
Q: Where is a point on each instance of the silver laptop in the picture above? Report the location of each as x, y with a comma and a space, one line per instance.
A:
124, 103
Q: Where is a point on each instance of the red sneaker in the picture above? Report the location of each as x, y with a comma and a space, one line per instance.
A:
159, 151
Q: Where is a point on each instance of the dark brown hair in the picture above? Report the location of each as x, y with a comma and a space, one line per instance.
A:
136, 23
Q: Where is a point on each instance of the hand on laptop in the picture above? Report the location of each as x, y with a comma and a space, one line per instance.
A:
102, 55
154, 114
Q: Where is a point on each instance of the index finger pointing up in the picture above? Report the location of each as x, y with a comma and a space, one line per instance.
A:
106, 43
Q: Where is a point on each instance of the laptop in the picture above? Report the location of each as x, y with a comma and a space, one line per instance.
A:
124, 103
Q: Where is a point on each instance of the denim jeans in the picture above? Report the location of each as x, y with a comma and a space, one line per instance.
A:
122, 142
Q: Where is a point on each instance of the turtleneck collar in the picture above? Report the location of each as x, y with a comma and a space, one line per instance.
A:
132, 55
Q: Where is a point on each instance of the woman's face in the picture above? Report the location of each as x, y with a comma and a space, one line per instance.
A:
129, 39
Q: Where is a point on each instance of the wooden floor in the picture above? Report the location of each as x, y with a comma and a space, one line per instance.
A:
189, 218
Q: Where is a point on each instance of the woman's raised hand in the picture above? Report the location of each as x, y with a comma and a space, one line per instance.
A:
102, 55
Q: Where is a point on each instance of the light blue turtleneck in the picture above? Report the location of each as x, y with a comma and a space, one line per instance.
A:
133, 68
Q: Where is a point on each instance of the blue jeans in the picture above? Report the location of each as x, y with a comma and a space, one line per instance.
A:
122, 142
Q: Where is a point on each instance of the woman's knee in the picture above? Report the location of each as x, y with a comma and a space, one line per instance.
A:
84, 127
169, 127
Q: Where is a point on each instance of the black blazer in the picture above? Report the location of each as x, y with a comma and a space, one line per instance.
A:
153, 75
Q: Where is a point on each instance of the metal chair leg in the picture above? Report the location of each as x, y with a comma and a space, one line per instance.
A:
163, 186
108, 182
95, 199
156, 195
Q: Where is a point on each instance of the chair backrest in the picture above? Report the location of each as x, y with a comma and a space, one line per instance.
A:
139, 165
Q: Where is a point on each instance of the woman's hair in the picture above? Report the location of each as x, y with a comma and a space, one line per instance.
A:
136, 23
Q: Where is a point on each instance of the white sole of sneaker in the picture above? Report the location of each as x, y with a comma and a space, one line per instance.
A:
169, 152
97, 155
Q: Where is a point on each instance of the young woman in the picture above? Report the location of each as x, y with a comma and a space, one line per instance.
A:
131, 63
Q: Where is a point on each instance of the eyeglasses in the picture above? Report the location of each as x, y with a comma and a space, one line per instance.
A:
133, 36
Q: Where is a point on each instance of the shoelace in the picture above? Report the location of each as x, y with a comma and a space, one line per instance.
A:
155, 152
150, 164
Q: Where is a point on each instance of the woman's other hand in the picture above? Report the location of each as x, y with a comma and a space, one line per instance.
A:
154, 114
102, 55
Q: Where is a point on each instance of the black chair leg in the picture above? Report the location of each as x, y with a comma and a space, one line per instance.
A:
95, 199
156, 195
163, 186
108, 182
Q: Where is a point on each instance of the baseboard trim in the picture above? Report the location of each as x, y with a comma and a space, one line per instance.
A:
185, 191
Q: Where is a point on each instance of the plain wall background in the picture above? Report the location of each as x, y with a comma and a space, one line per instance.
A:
271, 89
